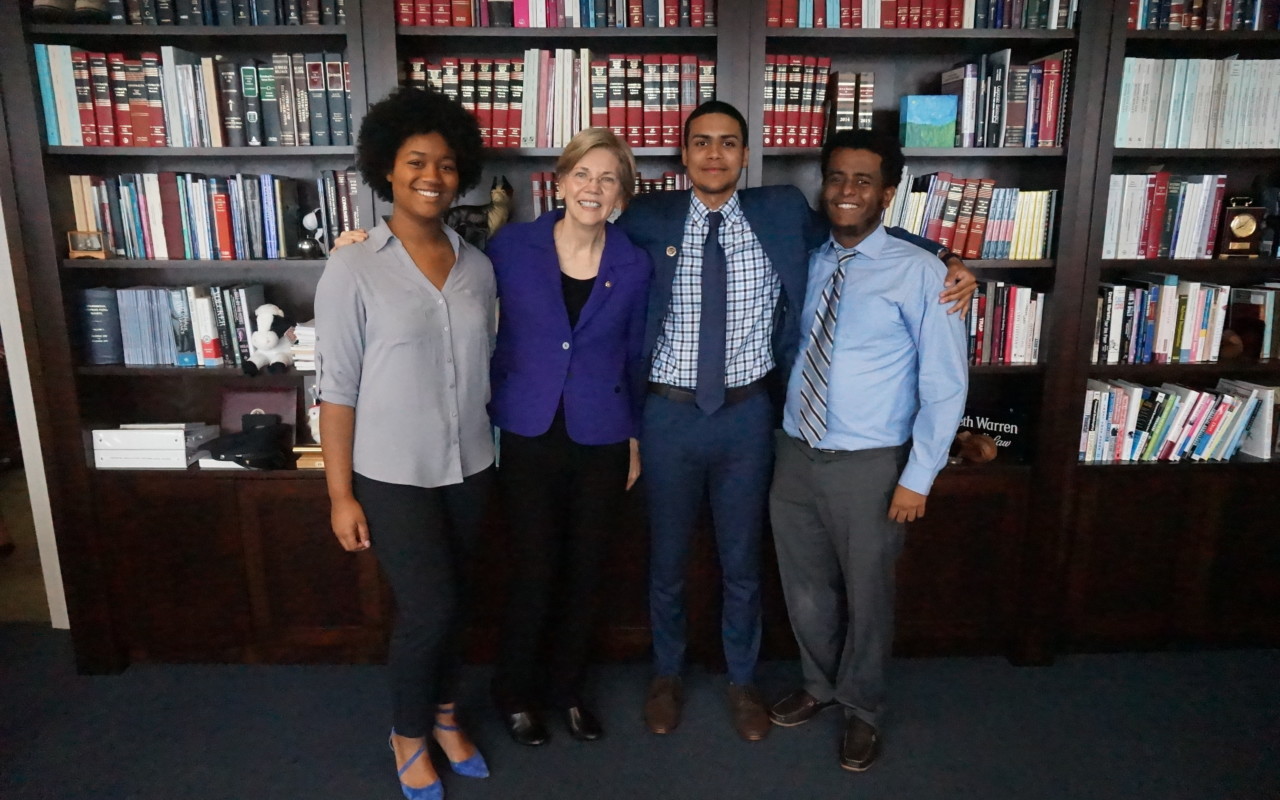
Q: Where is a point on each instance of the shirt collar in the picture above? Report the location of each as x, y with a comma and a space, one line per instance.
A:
731, 210
381, 235
872, 246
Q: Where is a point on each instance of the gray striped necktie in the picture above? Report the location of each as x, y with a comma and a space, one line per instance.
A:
817, 358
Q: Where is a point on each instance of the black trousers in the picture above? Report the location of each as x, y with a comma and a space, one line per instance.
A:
424, 539
563, 500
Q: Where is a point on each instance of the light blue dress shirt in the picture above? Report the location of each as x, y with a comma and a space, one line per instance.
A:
900, 368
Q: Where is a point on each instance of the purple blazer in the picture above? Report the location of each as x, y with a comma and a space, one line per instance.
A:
596, 367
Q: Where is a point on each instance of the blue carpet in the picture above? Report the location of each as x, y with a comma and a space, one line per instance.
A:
1164, 726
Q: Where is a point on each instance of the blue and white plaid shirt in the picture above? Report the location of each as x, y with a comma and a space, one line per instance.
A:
753, 289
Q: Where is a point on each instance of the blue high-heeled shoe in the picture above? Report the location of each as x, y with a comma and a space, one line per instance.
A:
474, 767
434, 791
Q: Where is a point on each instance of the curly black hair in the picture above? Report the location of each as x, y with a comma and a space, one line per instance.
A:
409, 112
891, 159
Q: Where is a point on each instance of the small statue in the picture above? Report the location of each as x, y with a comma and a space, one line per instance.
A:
311, 245
477, 223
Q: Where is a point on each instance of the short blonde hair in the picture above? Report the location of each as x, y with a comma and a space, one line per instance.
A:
589, 139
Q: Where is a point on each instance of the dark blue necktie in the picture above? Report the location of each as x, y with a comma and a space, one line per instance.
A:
711, 330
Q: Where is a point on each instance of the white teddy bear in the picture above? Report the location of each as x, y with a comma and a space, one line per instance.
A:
270, 344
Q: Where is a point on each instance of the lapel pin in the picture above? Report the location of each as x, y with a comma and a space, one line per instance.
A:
608, 284
671, 250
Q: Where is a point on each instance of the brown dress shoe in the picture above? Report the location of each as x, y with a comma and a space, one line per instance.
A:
750, 719
662, 706
860, 747
797, 708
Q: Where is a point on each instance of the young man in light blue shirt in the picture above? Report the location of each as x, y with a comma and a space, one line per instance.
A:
873, 403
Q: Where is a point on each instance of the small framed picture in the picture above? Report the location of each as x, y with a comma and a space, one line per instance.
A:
85, 244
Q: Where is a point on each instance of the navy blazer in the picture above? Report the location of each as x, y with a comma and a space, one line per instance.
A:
597, 366
786, 227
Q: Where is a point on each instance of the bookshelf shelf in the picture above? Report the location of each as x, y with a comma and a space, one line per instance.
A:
212, 373
935, 152
554, 152
154, 32
1156, 373
918, 34
1202, 264
1204, 37
1006, 369
200, 152
109, 264
552, 34
194, 473
1195, 153
997, 263
1239, 462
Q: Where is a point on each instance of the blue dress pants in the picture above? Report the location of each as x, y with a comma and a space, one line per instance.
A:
688, 455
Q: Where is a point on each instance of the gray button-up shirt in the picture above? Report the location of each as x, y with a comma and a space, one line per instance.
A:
413, 361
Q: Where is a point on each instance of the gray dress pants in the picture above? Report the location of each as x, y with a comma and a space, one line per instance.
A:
836, 553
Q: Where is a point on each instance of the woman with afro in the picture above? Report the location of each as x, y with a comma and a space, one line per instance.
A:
404, 321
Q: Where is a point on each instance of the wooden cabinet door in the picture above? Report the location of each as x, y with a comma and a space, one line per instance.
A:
959, 572
310, 599
177, 566
1242, 588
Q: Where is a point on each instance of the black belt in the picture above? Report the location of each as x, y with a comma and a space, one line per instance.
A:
735, 395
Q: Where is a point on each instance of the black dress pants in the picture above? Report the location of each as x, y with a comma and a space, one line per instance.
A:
563, 500
423, 539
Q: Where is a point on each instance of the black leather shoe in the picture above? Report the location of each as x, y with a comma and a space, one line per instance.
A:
860, 747
583, 725
526, 728
797, 708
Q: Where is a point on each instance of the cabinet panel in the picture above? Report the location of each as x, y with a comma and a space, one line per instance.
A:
1135, 572
1243, 603
958, 575
310, 598
177, 566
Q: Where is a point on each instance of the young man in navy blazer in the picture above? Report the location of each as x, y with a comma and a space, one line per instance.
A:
708, 421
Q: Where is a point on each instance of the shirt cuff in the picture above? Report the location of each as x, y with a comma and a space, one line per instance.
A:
917, 478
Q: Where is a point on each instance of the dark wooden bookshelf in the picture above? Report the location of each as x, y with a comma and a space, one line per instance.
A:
1157, 373
192, 264
923, 34
535, 35
195, 473
934, 152
1021, 559
1203, 154
201, 152
203, 373
554, 152
1194, 38
160, 32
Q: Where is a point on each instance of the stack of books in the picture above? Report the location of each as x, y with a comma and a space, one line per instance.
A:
804, 99
1002, 104
1214, 15
239, 13
1126, 422
545, 97
1199, 102
151, 446
1028, 15
304, 346
1160, 215
180, 326
1005, 323
175, 98
557, 13
974, 218
182, 216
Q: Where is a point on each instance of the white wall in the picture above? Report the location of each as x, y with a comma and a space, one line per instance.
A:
37, 485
